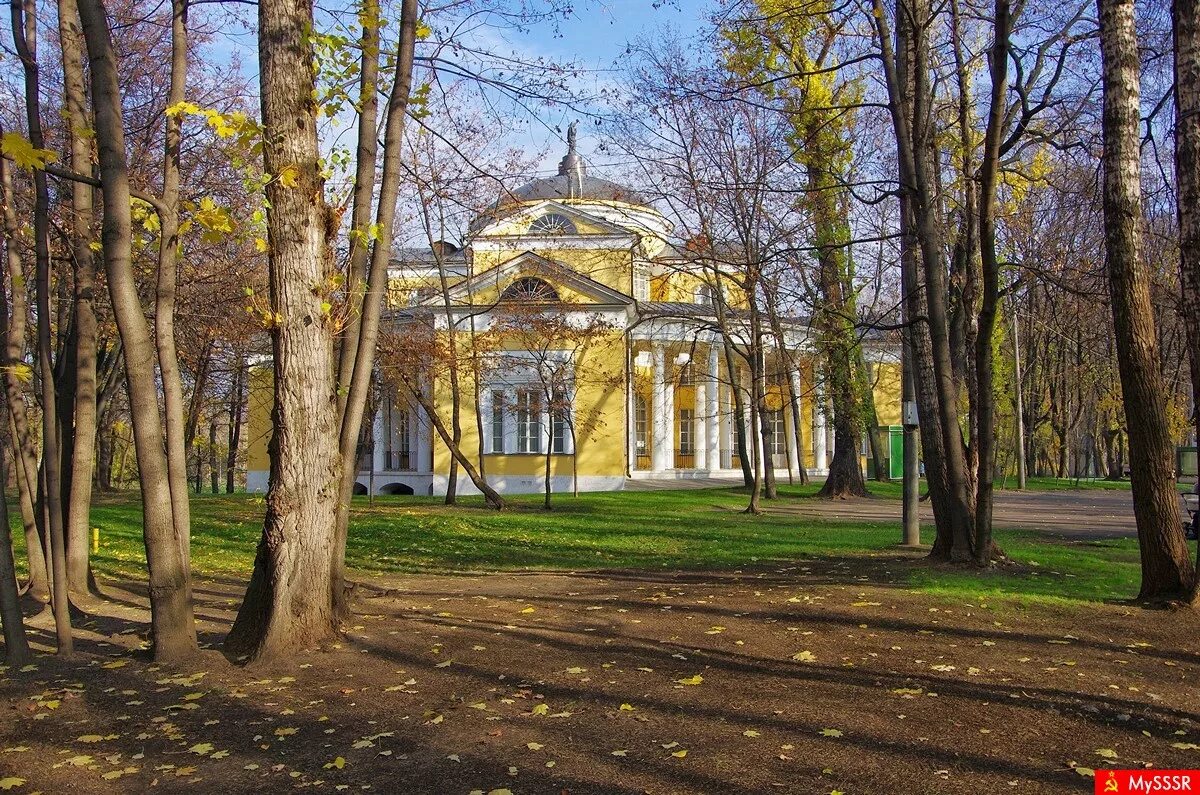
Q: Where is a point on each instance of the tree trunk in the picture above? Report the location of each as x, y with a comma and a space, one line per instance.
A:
739, 416
24, 30
24, 453
989, 173
907, 72
351, 414
16, 645
490, 495
289, 603
214, 465
236, 400
1167, 569
1186, 19
172, 626
83, 457
165, 289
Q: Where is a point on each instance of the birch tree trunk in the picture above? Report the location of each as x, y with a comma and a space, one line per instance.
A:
1167, 569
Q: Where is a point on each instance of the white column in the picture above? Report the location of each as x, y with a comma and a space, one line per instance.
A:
631, 415
820, 462
712, 410
661, 445
743, 384
700, 420
379, 438
424, 449
794, 449
669, 414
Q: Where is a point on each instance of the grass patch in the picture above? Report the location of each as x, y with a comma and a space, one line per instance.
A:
686, 529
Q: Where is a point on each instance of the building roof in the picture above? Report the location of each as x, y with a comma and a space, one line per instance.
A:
572, 182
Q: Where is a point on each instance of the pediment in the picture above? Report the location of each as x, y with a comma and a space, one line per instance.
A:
571, 286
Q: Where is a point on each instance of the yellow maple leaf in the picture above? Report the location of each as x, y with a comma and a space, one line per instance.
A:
691, 680
289, 177
11, 781
18, 149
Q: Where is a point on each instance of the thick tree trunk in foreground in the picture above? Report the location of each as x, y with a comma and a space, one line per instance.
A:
172, 624
1186, 18
1167, 568
289, 603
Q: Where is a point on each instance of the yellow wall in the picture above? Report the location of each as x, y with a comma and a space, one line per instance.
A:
258, 418
599, 411
886, 387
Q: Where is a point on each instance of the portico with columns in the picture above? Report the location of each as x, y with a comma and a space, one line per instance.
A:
682, 409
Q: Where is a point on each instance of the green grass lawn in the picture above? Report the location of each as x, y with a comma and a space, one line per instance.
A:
687, 529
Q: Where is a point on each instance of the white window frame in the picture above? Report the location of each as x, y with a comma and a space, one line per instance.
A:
641, 283
687, 431
528, 410
497, 410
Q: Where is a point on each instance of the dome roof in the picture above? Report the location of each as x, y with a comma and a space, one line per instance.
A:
573, 182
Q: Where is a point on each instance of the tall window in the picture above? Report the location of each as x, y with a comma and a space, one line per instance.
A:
497, 421
641, 419
529, 421
778, 430
685, 375
641, 283
559, 431
704, 295
687, 431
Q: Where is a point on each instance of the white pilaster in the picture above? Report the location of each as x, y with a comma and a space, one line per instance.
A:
661, 449
669, 415
712, 410
631, 416
423, 428
379, 437
820, 460
793, 448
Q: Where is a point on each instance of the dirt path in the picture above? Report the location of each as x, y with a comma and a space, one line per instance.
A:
799, 679
1080, 515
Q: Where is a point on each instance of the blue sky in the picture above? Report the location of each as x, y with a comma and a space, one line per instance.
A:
596, 36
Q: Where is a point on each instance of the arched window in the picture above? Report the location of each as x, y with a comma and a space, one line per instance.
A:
704, 295
552, 224
528, 288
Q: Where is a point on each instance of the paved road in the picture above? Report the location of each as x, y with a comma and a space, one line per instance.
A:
1082, 514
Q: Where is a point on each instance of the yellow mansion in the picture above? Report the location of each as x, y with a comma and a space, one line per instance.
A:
603, 356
